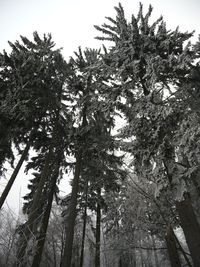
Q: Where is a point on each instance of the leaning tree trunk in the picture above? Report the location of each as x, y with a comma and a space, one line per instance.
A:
34, 208
98, 230
14, 175
41, 238
172, 248
190, 228
84, 225
182, 251
67, 256
188, 220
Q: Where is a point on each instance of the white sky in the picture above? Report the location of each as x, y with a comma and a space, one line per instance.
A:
71, 21
71, 24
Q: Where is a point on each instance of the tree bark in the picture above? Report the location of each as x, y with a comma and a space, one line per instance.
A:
41, 238
190, 228
98, 231
84, 225
33, 213
14, 175
182, 251
172, 249
67, 256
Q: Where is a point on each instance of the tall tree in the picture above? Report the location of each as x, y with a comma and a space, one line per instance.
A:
81, 85
55, 70
95, 144
150, 67
29, 84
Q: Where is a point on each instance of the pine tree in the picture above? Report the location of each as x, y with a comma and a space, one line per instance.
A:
27, 102
94, 144
151, 64
50, 82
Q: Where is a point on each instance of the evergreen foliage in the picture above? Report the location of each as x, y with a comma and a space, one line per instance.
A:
133, 189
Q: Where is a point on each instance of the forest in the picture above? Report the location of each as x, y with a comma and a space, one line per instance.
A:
122, 123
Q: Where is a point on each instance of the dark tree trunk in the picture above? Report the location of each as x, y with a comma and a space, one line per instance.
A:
190, 228
98, 231
70, 226
14, 175
34, 208
41, 238
67, 256
172, 249
84, 225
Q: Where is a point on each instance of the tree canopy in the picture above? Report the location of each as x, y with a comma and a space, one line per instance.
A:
135, 190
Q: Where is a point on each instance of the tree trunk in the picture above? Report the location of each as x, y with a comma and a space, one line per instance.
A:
98, 231
191, 229
182, 251
84, 225
41, 238
14, 175
172, 249
67, 256
33, 213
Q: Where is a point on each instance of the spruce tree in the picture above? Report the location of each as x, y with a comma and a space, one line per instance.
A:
30, 77
151, 65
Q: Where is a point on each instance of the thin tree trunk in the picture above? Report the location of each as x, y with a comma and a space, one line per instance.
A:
33, 213
182, 251
14, 175
190, 228
67, 256
84, 225
41, 238
172, 249
98, 231
189, 223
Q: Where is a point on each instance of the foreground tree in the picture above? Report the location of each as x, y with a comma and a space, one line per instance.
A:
84, 86
149, 77
27, 102
150, 65
47, 124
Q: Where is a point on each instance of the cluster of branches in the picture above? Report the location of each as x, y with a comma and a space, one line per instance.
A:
149, 76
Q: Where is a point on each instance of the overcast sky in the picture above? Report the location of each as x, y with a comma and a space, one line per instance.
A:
71, 21
71, 24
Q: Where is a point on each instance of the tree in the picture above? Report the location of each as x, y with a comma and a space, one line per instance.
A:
150, 65
27, 102
82, 85
51, 118
150, 78
14, 175
95, 144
